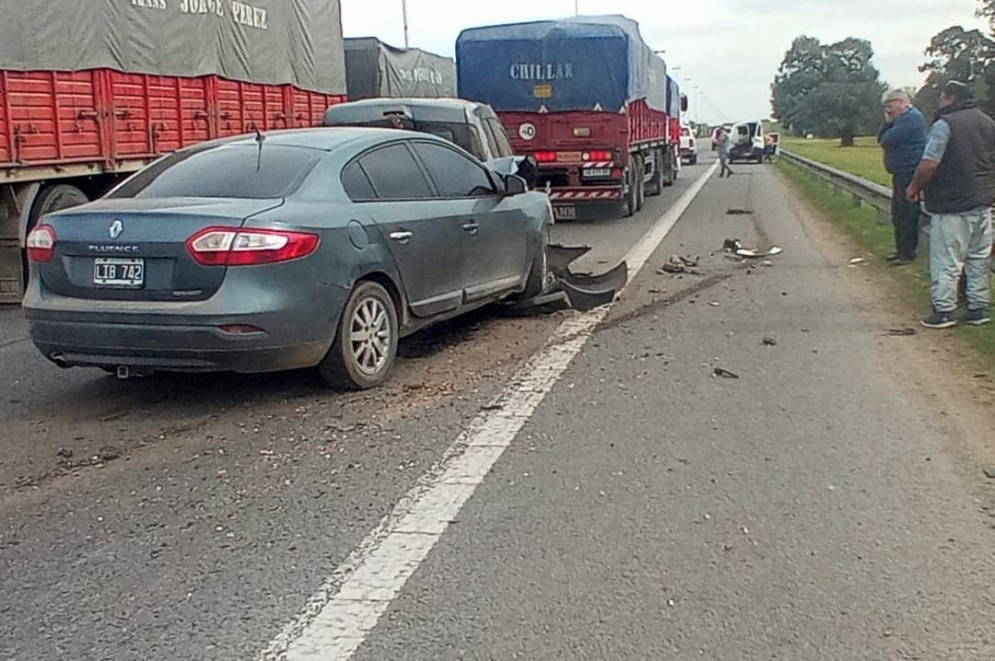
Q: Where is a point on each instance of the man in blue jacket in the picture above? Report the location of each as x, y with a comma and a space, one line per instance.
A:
903, 137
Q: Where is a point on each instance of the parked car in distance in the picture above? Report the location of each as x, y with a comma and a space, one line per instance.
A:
293, 249
689, 146
473, 126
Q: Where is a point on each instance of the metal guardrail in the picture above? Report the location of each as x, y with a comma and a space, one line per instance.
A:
863, 191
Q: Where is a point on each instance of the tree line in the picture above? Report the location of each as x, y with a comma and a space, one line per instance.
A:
834, 90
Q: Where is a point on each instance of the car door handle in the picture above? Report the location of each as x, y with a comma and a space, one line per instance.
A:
471, 228
401, 237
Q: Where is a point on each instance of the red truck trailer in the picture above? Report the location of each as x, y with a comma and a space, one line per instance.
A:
587, 98
85, 101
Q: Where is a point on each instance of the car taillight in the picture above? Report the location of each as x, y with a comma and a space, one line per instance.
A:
545, 156
41, 243
598, 156
230, 246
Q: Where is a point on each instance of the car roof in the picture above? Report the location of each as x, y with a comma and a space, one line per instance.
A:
328, 139
427, 110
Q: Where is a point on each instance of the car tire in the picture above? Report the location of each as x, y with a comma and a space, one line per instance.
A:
538, 275
365, 345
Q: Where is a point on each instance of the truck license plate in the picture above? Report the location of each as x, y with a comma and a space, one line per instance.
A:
598, 172
118, 272
565, 213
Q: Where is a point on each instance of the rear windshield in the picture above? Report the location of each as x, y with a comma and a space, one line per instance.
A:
459, 134
231, 171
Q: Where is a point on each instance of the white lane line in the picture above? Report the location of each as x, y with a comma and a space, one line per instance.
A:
337, 619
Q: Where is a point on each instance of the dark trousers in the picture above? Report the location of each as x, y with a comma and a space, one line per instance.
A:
904, 216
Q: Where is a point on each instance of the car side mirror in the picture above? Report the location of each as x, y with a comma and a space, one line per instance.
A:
515, 185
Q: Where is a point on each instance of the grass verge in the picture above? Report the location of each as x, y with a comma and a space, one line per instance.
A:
878, 240
864, 160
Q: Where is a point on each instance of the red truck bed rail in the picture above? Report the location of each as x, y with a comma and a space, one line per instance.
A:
107, 121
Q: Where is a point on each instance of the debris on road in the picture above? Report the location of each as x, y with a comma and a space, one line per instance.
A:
738, 212
65, 453
769, 342
990, 472
753, 254
901, 332
856, 261
724, 373
678, 264
108, 454
735, 247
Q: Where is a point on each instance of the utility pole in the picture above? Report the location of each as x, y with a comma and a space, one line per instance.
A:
404, 13
576, 7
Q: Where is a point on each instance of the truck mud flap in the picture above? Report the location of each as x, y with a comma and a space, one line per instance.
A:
569, 290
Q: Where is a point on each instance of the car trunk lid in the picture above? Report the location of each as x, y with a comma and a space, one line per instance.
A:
135, 249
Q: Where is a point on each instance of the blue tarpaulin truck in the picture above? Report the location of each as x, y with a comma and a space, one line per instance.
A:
587, 98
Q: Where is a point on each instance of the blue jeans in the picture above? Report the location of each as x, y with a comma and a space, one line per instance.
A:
958, 243
904, 216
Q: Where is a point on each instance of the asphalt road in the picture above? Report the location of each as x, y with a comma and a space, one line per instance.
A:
643, 509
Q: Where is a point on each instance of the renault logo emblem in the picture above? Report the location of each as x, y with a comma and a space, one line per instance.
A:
116, 228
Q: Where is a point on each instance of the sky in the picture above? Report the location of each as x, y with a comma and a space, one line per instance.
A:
729, 49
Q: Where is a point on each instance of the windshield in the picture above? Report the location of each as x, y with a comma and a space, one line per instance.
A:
230, 171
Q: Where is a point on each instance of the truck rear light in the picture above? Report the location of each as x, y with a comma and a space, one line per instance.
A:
545, 156
231, 246
598, 156
41, 243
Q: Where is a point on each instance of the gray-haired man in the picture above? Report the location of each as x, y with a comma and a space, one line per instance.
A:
958, 174
903, 138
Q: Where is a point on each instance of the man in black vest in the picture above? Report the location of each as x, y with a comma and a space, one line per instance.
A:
957, 173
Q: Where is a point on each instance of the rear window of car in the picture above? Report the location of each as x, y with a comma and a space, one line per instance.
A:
230, 171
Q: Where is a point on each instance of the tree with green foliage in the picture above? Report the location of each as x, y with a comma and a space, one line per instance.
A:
958, 54
830, 90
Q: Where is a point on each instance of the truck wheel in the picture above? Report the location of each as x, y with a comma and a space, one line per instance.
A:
640, 184
656, 186
49, 200
365, 344
629, 201
55, 198
670, 170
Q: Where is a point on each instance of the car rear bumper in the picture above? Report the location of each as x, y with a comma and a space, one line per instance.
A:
295, 328
175, 348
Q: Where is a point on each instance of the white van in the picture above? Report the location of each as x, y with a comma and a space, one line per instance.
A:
747, 142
